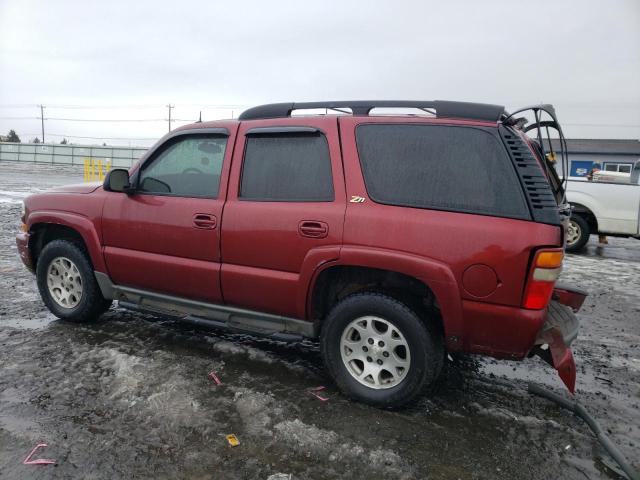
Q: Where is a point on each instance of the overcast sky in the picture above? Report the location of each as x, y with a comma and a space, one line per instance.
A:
134, 57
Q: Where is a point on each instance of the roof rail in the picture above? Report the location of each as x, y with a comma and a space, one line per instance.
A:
443, 109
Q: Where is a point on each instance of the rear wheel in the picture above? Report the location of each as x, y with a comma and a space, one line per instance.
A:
379, 351
67, 284
577, 234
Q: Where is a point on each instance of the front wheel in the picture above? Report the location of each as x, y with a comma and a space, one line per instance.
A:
379, 351
577, 234
67, 284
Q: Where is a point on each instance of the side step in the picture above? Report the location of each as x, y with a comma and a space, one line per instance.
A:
208, 315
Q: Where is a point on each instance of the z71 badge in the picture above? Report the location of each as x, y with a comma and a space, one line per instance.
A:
356, 199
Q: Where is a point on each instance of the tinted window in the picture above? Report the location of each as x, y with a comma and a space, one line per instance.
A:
441, 167
287, 167
190, 167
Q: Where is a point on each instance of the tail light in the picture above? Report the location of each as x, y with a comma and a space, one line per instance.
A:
546, 268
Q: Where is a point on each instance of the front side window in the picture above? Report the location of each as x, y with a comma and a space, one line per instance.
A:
190, 166
439, 167
287, 167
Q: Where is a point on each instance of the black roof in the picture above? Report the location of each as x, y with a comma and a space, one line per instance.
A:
601, 146
445, 109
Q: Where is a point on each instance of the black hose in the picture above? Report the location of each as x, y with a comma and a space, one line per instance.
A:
579, 410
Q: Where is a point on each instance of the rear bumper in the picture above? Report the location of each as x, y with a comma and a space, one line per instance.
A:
554, 339
514, 333
500, 331
22, 241
559, 331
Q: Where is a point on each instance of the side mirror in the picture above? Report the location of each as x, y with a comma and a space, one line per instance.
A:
117, 180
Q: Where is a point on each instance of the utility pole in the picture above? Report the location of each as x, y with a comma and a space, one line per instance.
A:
169, 106
42, 120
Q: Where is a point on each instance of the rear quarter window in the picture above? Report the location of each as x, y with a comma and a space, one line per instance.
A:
461, 169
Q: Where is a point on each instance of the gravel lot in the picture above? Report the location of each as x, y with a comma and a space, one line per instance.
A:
129, 397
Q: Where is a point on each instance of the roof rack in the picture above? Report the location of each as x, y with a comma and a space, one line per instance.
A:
443, 109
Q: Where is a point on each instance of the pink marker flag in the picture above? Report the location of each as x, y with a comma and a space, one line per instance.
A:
212, 375
319, 397
38, 461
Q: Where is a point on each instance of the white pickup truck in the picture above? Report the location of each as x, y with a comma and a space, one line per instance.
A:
609, 204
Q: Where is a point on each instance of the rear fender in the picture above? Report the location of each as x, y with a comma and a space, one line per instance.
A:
435, 275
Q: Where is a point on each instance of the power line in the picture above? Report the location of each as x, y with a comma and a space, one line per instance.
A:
77, 107
64, 135
616, 125
19, 118
59, 119
99, 119
80, 107
88, 119
18, 105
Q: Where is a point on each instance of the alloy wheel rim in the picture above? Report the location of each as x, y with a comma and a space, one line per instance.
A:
375, 352
573, 233
64, 282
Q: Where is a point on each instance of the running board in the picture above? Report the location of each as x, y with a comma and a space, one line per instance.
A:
208, 315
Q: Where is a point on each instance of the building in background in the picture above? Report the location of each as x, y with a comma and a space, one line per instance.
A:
610, 155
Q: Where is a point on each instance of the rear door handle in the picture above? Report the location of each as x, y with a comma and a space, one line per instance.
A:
313, 229
204, 221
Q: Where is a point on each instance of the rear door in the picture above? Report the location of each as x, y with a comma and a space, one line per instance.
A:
165, 236
286, 201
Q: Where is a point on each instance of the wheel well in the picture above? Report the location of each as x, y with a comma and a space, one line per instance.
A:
587, 214
43, 233
336, 283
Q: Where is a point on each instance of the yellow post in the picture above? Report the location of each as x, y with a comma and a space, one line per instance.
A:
107, 167
86, 169
100, 175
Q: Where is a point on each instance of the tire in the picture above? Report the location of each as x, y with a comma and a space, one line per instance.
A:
423, 354
67, 283
577, 234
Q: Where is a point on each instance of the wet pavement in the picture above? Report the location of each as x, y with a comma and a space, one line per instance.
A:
129, 397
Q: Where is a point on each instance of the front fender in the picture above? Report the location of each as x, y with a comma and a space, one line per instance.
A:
81, 224
436, 275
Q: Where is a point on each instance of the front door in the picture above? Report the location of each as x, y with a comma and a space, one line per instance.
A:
285, 209
165, 236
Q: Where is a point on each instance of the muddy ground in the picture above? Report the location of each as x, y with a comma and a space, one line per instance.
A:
129, 397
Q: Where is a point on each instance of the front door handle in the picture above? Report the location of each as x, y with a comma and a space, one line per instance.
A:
204, 221
313, 229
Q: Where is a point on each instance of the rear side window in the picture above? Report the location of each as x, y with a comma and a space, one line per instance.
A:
287, 167
438, 167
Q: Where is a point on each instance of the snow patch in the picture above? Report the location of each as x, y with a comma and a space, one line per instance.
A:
256, 410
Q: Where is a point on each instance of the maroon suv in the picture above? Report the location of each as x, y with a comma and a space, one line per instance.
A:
391, 238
